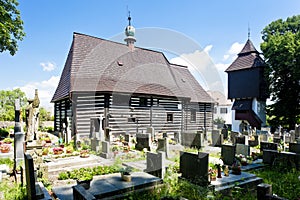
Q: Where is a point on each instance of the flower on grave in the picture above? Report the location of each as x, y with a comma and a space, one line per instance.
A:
219, 163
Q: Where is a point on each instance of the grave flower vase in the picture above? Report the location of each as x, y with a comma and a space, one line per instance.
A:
219, 172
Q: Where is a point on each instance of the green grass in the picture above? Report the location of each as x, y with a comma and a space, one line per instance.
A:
285, 183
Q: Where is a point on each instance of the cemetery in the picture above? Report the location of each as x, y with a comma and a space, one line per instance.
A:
129, 124
136, 166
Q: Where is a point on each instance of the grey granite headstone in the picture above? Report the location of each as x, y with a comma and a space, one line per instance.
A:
194, 167
276, 139
163, 145
143, 140
30, 179
95, 144
293, 136
233, 135
19, 139
151, 131
156, 164
269, 156
177, 137
105, 150
287, 138
228, 154
240, 139
255, 142
242, 149
263, 137
268, 146
294, 147
217, 138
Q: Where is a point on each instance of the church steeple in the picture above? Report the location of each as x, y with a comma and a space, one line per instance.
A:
129, 32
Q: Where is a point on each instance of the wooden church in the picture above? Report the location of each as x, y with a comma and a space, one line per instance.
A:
248, 88
127, 89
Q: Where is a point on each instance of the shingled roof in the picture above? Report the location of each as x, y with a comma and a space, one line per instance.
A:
95, 64
247, 58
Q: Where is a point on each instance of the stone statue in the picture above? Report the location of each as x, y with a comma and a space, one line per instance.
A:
32, 117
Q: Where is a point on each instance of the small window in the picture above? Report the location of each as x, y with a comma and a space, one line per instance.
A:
223, 110
169, 117
193, 115
143, 101
215, 110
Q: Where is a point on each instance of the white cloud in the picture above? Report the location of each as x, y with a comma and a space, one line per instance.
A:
208, 48
45, 88
234, 49
48, 66
203, 69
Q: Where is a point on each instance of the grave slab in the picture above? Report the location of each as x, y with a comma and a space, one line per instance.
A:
108, 186
243, 180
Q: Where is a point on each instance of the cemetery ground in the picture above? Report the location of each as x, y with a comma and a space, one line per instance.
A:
60, 165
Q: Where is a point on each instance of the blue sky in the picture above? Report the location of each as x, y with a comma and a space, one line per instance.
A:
219, 28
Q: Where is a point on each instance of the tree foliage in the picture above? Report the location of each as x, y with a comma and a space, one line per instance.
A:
7, 103
44, 115
11, 26
281, 49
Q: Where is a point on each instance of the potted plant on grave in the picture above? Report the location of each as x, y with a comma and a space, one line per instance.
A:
115, 150
236, 167
7, 140
212, 174
84, 180
5, 148
69, 149
126, 174
126, 149
84, 152
57, 150
45, 151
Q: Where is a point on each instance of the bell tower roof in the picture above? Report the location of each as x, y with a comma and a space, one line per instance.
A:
130, 32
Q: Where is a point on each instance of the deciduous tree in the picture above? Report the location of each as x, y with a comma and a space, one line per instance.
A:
281, 49
11, 26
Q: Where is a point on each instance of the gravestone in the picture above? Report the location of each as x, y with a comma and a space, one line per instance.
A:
253, 143
242, 149
165, 135
216, 138
287, 138
19, 139
163, 145
276, 139
240, 139
268, 146
143, 140
224, 132
228, 154
95, 144
105, 150
151, 131
233, 135
34, 190
194, 167
293, 137
127, 137
177, 137
263, 137
156, 164
263, 190
192, 139
107, 134
294, 147
297, 130
269, 156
